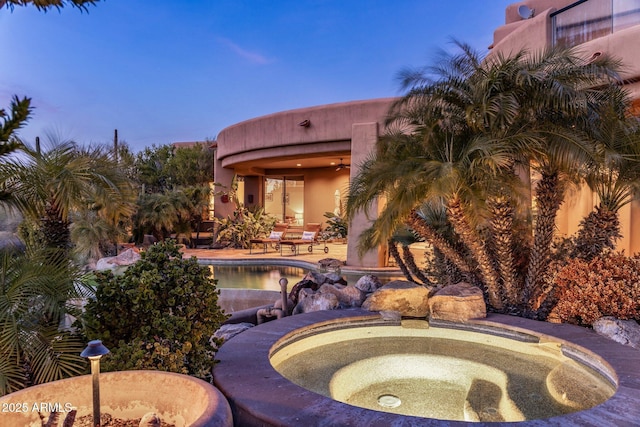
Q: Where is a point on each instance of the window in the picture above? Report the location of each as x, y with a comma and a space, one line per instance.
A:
586, 20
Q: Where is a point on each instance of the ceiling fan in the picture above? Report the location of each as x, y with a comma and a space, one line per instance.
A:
341, 166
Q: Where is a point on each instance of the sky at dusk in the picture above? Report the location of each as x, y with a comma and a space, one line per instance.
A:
164, 71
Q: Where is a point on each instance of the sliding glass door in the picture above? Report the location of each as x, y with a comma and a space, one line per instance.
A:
284, 198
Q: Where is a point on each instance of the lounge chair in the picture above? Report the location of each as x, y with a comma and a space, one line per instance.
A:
310, 234
277, 234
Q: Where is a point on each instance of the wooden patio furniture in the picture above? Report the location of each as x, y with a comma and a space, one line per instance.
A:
310, 237
277, 234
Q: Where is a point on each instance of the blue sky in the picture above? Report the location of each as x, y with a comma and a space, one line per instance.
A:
162, 71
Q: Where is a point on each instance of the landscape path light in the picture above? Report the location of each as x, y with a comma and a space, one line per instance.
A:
94, 351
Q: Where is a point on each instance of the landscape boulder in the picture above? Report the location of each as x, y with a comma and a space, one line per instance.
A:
128, 257
310, 301
458, 302
408, 298
625, 332
317, 278
368, 283
348, 296
294, 293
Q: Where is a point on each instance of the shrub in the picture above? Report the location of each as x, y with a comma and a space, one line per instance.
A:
245, 224
159, 314
337, 226
608, 285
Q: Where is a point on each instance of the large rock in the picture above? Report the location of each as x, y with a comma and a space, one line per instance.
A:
625, 332
294, 293
128, 257
408, 298
335, 278
348, 296
315, 277
458, 302
368, 283
310, 302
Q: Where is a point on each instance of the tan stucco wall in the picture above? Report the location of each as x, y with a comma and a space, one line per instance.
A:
247, 148
280, 134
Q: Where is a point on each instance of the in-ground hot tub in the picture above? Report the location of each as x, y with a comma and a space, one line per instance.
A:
414, 368
562, 374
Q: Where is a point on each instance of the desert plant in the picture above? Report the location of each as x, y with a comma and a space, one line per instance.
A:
608, 285
337, 226
37, 289
51, 186
244, 224
160, 314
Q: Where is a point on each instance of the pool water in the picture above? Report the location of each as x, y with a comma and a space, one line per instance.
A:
267, 277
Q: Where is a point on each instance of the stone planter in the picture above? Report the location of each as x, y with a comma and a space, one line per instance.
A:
178, 399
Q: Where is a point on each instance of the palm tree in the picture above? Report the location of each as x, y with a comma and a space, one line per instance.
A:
406, 260
48, 4
36, 293
615, 177
564, 96
433, 164
94, 236
50, 186
157, 214
20, 112
461, 133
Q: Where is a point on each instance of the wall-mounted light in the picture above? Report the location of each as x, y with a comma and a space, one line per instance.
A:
94, 352
305, 123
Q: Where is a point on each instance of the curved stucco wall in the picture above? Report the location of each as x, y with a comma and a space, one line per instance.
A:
280, 134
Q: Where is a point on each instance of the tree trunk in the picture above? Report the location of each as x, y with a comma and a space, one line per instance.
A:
55, 229
478, 251
393, 251
549, 197
413, 267
417, 224
502, 228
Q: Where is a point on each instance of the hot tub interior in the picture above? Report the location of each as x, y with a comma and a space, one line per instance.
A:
438, 372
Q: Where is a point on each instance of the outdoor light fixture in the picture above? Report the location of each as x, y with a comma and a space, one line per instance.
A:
94, 351
305, 123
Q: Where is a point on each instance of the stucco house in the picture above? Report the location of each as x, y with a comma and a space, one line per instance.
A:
297, 164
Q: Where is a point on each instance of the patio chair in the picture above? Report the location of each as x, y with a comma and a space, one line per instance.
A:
310, 234
277, 234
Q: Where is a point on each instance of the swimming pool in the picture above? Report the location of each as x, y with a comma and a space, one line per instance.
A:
266, 277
